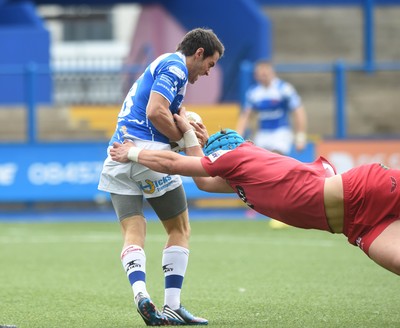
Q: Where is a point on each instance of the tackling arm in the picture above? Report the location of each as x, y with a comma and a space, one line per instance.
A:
171, 163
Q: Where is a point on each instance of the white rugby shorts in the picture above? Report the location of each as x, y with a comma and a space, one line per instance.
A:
135, 179
280, 140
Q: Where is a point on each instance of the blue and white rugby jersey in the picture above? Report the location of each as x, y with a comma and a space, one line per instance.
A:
273, 103
166, 75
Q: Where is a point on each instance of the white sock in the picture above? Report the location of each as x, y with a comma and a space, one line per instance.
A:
133, 261
174, 263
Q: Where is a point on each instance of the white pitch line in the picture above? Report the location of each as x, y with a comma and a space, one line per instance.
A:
220, 239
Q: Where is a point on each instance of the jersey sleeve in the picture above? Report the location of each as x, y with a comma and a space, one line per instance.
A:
169, 79
208, 167
248, 100
217, 164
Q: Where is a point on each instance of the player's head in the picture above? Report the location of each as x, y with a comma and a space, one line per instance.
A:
225, 139
264, 72
201, 38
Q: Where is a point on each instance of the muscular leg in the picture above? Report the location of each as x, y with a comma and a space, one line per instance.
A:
133, 230
133, 227
178, 230
385, 249
172, 210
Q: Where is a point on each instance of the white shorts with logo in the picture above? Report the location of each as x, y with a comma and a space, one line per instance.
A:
135, 179
280, 140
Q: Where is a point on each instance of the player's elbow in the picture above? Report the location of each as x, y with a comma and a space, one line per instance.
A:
201, 183
172, 169
151, 114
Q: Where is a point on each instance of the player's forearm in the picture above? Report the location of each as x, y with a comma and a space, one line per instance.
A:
168, 162
157, 160
194, 151
167, 127
300, 120
300, 126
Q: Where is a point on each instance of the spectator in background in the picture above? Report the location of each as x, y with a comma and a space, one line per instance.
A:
276, 106
146, 117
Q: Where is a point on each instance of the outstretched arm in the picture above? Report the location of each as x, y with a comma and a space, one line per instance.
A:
171, 163
158, 160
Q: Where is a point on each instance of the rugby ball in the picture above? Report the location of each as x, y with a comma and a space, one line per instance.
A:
193, 117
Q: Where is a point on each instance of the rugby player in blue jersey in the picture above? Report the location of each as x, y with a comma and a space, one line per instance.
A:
275, 102
146, 117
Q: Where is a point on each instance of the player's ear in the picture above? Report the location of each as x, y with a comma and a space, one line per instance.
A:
200, 53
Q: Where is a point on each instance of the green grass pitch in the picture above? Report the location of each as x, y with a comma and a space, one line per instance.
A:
241, 274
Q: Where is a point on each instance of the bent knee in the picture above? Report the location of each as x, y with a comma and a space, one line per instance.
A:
182, 230
178, 226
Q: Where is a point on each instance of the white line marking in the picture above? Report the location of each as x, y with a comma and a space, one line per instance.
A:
220, 239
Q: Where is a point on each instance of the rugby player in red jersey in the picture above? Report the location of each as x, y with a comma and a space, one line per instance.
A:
362, 203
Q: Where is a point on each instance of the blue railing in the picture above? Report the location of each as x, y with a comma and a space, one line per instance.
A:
30, 74
339, 71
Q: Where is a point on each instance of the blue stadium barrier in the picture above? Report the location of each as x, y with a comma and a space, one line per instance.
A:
50, 172
338, 70
60, 172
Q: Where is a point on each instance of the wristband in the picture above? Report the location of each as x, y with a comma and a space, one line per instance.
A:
133, 154
181, 143
190, 139
300, 138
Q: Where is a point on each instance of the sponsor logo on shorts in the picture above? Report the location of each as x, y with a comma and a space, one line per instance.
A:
394, 184
360, 243
150, 187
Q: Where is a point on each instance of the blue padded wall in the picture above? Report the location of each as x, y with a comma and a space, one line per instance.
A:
241, 26
23, 40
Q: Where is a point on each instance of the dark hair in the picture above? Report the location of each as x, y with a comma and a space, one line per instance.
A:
201, 38
263, 61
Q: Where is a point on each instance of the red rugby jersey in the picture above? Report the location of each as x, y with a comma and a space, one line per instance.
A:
277, 186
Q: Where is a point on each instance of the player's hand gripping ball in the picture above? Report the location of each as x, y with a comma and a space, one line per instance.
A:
192, 117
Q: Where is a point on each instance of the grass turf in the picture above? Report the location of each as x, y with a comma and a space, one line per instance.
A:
240, 274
